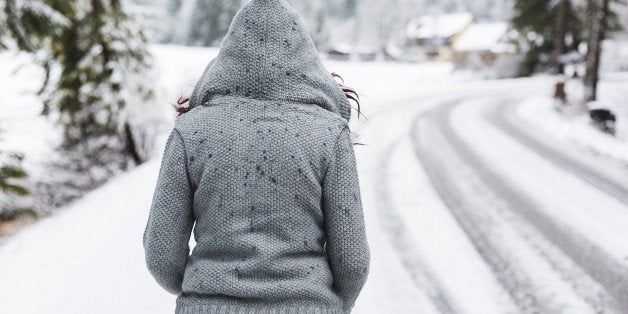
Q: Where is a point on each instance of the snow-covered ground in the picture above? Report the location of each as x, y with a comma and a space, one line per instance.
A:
539, 112
88, 258
445, 234
556, 190
22, 128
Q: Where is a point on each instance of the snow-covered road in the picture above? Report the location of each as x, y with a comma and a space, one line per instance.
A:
501, 226
552, 233
468, 210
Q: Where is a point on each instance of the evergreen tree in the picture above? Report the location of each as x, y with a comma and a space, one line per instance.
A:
211, 20
205, 29
383, 21
559, 36
174, 6
535, 20
549, 29
320, 36
601, 20
29, 23
104, 66
23, 25
174, 21
97, 94
13, 189
335, 9
350, 8
3, 31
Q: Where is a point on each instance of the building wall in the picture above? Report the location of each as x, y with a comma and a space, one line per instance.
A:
428, 51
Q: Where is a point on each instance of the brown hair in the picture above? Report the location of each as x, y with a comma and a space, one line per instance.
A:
182, 106
350, 93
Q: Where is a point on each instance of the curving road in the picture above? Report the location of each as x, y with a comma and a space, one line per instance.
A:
519, 199
505, 119
468, 211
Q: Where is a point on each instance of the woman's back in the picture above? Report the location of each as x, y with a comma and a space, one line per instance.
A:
263, 172
259, 220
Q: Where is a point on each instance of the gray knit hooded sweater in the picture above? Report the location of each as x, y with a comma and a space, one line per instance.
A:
263, 172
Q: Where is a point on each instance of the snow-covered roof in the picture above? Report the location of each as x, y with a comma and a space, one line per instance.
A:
482, 37
438, 26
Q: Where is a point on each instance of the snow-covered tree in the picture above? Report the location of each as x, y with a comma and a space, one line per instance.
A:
597, 13
210, 21
204, 22
320, 34
379, 23
314, 14
349, 8
12, 187
601, 20
3, 31
545, 25
98, 88
30, 22
175, 5
24, 25
535, 21
104, 77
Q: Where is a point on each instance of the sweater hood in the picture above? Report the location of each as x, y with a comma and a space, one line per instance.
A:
268, 54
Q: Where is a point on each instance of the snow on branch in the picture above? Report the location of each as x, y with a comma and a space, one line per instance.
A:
41, 9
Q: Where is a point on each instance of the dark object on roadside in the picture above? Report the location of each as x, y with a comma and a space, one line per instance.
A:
367, 56
604, 120
560, 93
338, 55
347, 52
131, 145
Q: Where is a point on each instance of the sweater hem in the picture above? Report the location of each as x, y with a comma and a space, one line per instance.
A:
221, 308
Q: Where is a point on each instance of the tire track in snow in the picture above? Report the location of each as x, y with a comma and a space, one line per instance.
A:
402, 240
501, 119
570, 271
398, 235
392, 222
592, 259
517, 284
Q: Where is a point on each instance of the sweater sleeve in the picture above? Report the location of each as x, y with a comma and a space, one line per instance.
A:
347, 246
171, 218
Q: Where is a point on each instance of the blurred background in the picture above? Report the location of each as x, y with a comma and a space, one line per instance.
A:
494, 172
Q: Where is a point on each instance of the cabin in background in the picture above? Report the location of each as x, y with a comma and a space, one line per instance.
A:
432, 37
483, 44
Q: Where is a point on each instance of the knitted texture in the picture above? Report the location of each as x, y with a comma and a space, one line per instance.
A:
263, 172
268, 54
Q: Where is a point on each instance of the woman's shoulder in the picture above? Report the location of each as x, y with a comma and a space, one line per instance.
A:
315, 115
199, 118
307, 120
